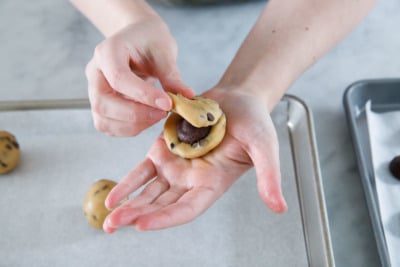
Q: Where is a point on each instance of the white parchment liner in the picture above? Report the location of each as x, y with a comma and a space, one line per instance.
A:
384, 133
42, 224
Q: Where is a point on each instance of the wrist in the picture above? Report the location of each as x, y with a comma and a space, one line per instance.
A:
110, 17
270, 91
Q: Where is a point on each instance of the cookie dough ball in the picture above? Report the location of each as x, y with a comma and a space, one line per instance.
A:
93, 205
195, 126
394, 167
9, 152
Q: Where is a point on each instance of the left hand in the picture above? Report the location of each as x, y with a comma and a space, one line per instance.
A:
178, 190
122, 77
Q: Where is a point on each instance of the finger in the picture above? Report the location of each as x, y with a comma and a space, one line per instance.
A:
97, 84
125, 216
118, 128
108, 104
114, 61
139, 176
141, 204
113, 107
152, 198
168, 197
151, 192
188, 207
169, 75
175, 84
264, 152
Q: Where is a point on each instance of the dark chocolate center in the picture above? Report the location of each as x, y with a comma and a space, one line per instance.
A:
189, 134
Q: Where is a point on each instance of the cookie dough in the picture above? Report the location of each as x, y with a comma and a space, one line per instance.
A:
195, 126
9, 152
394, 167
200, 111
93, 206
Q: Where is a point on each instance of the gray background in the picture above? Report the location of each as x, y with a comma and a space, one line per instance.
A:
45, 46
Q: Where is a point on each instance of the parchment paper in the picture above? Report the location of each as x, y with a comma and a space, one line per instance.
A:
42, 224
384, 132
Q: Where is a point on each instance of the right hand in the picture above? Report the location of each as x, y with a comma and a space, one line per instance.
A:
122, 74
176, 190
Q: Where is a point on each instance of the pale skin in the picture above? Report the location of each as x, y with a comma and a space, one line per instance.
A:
288, 37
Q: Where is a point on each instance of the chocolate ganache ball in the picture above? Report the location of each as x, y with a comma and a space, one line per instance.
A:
394, 167
189, 134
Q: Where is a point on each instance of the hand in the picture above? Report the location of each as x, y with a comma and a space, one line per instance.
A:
178, 190
122, 75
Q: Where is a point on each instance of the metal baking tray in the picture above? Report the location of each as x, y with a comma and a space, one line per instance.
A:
41, 222
385, 96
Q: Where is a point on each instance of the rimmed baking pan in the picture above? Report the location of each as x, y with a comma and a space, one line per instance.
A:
385, 96
42, 224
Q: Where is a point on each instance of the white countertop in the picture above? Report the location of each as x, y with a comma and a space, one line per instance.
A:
46, 45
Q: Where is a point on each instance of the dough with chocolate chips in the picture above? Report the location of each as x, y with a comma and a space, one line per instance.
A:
94, 208
200, 111
9, 152
195, 126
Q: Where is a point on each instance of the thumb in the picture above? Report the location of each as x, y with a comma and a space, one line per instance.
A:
264, 152
171, 79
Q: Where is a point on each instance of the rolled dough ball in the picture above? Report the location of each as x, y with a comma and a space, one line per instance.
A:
9, 152
94, 208
191, 119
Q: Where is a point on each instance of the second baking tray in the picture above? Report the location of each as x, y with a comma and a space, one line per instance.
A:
385, 96
41, 222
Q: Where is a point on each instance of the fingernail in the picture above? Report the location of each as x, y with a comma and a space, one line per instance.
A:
279, 205
107, 227
108, 205
188, 92
163, 104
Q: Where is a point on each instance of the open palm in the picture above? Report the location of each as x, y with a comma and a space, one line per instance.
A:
178, 190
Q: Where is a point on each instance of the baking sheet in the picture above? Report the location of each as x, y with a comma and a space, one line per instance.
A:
41, 222
385, 145
384, 95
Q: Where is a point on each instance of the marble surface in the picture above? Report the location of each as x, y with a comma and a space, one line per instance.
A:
45, 46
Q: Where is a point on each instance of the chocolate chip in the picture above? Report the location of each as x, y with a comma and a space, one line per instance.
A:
8, 146
105, 187
2, 164
394, 167
210, 117
94, 217
15, 144
7, 138
172, 145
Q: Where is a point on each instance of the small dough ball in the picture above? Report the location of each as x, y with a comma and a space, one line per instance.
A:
93, 205
9, 152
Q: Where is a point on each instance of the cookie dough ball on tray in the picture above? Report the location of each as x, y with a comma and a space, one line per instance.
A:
195, 126
9, 152
94, 208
